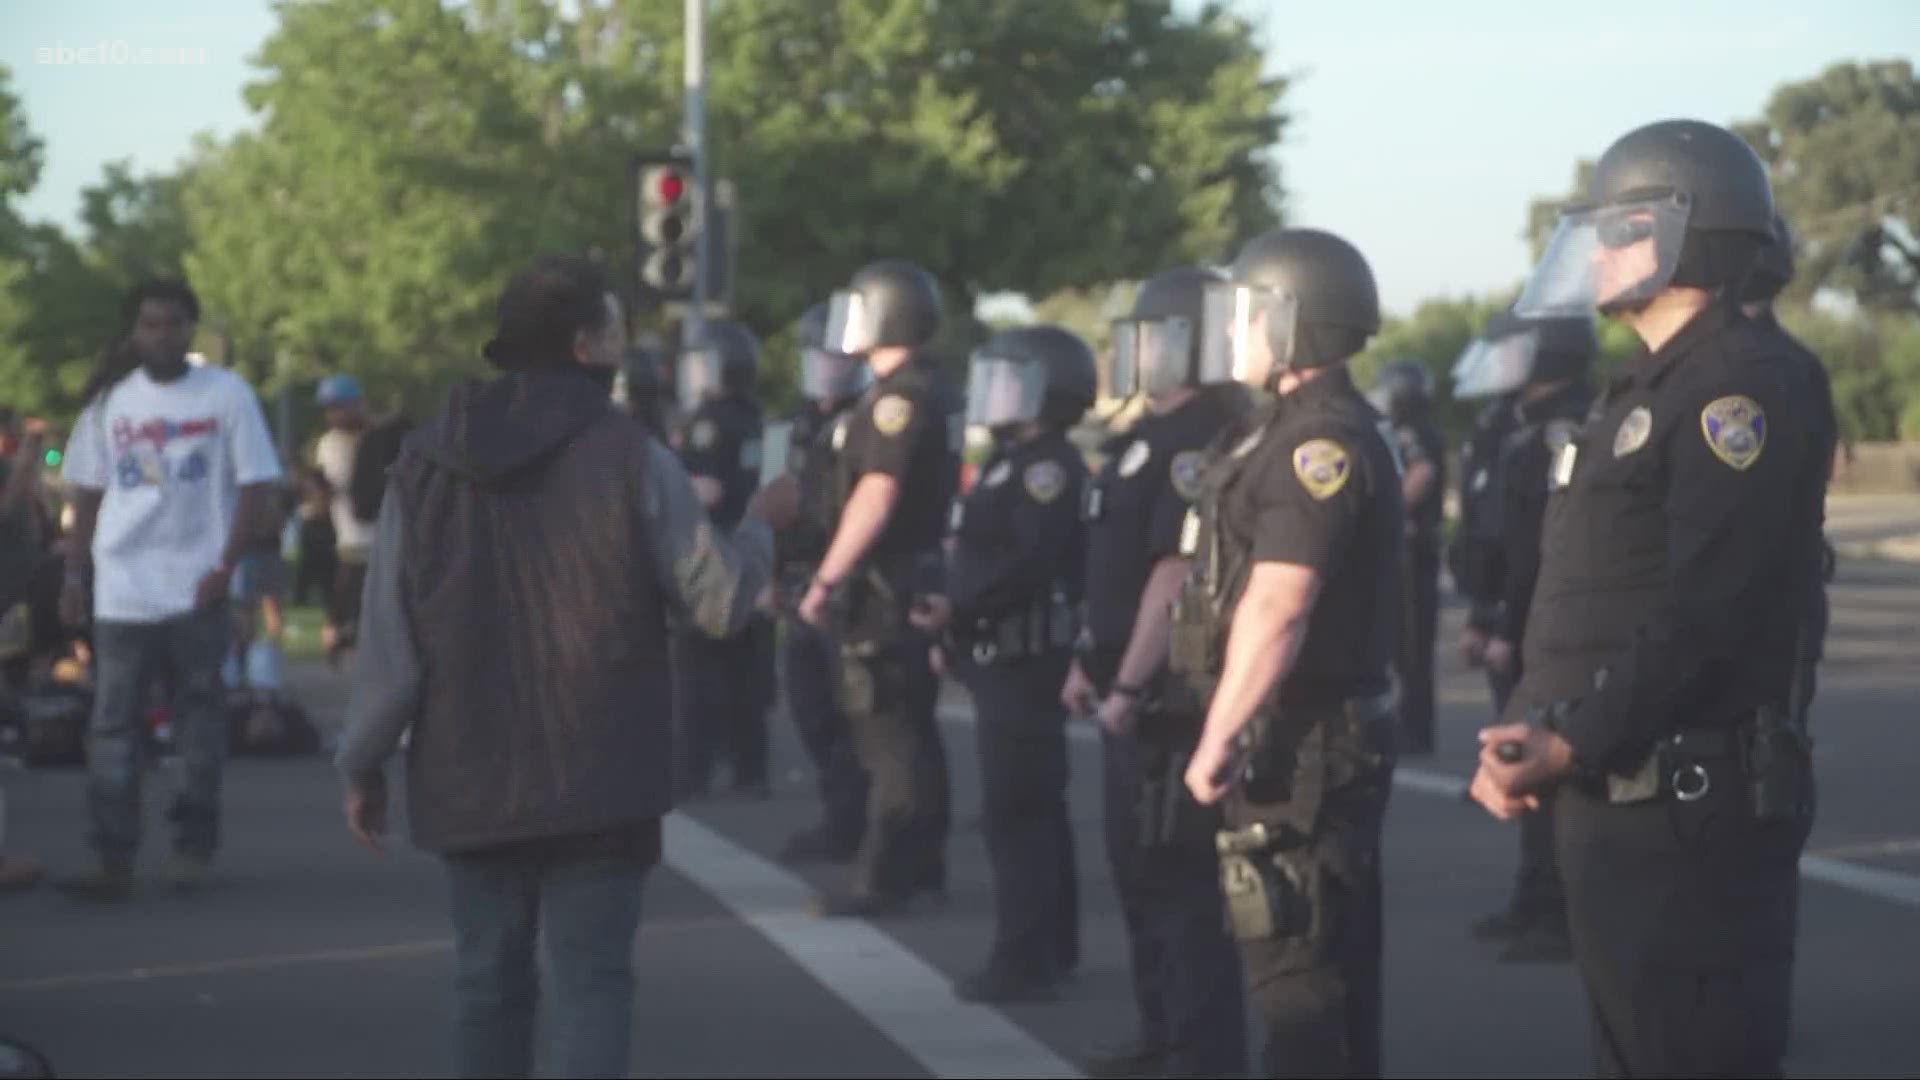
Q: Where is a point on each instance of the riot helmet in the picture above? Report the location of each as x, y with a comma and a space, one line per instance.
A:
1295, 298
1512, 352
826, 375
1773, 267
722, 364
1402, 390
1045, 373
892, 302
1156, 348
1678, 202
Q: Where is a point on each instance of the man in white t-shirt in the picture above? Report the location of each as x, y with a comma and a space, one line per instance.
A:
171, 470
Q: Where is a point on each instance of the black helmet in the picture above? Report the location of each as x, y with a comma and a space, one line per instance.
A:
1696, 191
893, 302
1512, 352
1157, 347
1043, 373
1318, 297
1773, 268
724, 363
1402, 389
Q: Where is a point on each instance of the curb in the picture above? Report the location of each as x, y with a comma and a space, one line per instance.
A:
1905, 549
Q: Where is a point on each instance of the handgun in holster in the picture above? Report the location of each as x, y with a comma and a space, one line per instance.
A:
1779, 749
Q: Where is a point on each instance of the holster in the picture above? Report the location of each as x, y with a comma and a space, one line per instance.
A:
1166, 744
1270, 892
1047, 624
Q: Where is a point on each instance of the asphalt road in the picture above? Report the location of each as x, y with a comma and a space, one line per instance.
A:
313, 957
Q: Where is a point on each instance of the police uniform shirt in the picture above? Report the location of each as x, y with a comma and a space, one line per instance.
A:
1420, 443
908, 426
810, 457
1475, 558
1522, 474
1135, 508
1320, 487
1018, 529
723, 442
1667, 547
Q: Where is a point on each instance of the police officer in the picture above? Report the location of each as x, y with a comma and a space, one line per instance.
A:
1404, 393
1679, 547
645, 389
723, 687
1543, 365
896, 475
1009, 617
829, 384
1286, 629
1771, 273
1473, 557
1186, 975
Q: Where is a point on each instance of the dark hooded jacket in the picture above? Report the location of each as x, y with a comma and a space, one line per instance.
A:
538, 619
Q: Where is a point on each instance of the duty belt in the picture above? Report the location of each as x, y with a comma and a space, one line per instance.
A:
1677, 765
1044, 625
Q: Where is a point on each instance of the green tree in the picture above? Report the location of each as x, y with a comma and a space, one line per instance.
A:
1844, 150
135, 225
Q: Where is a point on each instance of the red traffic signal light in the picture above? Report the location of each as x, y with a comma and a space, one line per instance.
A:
670, 186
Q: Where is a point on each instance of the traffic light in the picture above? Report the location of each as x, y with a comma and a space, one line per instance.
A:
670, 219
52, 457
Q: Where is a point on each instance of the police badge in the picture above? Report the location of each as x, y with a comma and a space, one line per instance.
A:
1736, 430
1045, 480
891, 414
1633, 432
1322, 466
1188, 465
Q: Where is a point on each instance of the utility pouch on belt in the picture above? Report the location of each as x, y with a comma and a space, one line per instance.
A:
1268, 896
1778, 761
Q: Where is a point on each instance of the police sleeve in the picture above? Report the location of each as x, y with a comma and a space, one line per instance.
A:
900, 423
1730, 498
712, 578
1308, 504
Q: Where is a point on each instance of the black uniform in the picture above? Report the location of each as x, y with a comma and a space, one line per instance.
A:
1474, 558
905, 426
1316, 484
1419, 441
1186, 973
1015, 582
1520, 480
1664, 623
808, 661
724, 687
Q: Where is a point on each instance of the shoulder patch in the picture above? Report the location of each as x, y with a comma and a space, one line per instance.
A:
891, 414
1322, 466
1135, 458
1045, 481
1188, 466
1736, 430
998, 474
1559, 433
703, 435
1633, 431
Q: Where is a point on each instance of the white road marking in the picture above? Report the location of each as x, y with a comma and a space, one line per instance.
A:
901, 995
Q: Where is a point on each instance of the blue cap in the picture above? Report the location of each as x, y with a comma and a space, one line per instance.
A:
341, 389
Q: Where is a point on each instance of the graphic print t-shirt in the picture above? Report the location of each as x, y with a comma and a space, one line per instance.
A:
171, 459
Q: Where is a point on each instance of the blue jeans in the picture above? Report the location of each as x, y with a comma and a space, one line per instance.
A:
189, 649
588, 908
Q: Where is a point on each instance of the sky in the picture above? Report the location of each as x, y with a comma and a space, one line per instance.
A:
1420, 129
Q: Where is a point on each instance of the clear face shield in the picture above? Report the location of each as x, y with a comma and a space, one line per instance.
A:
697, 378
1152, 356
1489, 367
1248, 334
830, 376
1607, 257
853, 324
1002, 391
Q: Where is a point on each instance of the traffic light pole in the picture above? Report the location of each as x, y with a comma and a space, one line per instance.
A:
693, 325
